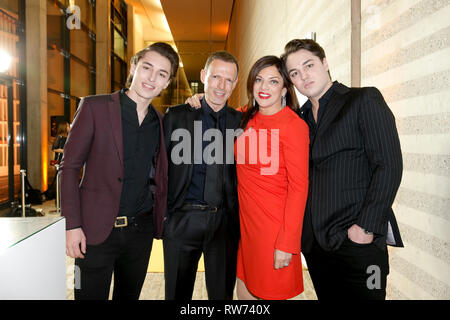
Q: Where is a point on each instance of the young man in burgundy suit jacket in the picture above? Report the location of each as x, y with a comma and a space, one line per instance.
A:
118, 207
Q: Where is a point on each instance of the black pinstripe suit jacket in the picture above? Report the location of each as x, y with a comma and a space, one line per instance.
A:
355, 170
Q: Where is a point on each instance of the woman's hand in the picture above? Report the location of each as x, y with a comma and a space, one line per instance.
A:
281, 259
194, 101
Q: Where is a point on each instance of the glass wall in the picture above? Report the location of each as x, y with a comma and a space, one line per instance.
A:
70, 60
9, 114
118, 44
71, 54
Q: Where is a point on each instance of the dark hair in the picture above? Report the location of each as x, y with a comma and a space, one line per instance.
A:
305, 44
61, 128
163, 49
224, 56
262, 63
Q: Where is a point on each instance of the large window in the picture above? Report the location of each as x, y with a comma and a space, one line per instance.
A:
70, 55
71, 62
9, 112
118, 44
194, 87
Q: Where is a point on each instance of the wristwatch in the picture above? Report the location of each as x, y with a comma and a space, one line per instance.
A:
368, 232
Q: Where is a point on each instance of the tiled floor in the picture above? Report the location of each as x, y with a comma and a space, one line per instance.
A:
153, 288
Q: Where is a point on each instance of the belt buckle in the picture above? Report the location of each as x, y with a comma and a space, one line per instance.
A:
121, 222
214, 209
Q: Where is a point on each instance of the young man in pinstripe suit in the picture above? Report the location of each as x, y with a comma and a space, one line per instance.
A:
355, 171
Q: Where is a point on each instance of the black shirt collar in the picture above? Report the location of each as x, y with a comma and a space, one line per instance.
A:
208, 110
129, 106
327, 96
323, 101
125, 100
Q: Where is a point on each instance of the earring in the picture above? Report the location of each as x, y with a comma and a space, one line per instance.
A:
283, 101
254, 102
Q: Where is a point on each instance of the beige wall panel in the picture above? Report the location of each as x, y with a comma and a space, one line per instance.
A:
427, 183
402, 288
425, 144
405, 49
426, 222
421, 105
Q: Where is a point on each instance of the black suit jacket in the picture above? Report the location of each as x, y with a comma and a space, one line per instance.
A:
355, 170
180, 174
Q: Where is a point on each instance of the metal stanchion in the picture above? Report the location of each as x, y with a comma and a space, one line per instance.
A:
23, 173
58, 204
58, 191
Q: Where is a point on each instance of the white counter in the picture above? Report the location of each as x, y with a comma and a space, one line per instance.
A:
32, 258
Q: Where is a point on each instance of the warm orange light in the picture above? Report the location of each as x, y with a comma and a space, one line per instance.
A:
221, 29
44, 166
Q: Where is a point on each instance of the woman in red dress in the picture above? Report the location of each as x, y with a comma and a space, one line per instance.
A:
272, 169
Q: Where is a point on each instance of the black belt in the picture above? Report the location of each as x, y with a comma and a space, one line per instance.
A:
134, 221
199, 207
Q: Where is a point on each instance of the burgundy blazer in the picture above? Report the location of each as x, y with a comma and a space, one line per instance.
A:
95, 141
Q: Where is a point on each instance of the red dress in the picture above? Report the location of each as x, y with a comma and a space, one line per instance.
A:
272, 170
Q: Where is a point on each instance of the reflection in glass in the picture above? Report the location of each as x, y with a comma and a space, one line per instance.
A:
79, 79
81, 45
119, 45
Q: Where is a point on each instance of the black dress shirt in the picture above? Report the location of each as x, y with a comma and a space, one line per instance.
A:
308, 114
197, 186
140, 143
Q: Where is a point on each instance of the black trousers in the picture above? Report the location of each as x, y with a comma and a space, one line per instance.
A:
354, 271
187, 235
125, 253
